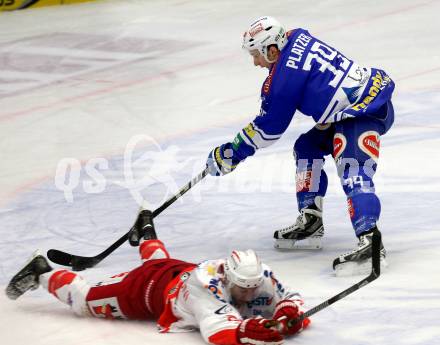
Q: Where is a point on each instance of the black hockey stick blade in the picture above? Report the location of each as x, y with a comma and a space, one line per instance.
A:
375, 273
80, 263
59, 257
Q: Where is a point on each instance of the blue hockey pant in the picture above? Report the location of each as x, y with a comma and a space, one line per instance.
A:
354, 144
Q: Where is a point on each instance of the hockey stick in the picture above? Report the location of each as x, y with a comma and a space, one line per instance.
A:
79, 263
375, 273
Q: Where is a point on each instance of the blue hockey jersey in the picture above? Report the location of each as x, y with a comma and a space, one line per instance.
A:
317, 80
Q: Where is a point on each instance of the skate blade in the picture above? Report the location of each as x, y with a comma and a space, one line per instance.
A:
348, 269
11, 291
311, 243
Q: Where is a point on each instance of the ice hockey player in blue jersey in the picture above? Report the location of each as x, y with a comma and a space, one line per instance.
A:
352, 108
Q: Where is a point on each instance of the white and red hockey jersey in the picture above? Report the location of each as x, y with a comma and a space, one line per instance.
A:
182, 296
198, 300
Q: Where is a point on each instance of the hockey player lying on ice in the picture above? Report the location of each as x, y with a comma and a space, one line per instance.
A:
221, 298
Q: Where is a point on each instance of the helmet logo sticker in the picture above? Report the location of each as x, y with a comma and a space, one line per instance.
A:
264, 32
255, 30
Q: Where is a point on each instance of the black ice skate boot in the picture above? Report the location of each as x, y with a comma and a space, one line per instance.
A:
358, 261
307, 231
142, 228
28, 277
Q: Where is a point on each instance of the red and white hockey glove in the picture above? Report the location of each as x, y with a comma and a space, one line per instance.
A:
255, 332
286, 310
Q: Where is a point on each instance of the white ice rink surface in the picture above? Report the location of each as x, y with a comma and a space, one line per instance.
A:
153, 86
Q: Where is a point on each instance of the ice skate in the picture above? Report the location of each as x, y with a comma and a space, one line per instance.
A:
28, 277
306, 233
142, 228
358, 261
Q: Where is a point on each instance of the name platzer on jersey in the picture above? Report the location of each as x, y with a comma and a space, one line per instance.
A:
297, 50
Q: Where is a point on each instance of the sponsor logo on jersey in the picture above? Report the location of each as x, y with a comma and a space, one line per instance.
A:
339, 145
350, 208
215, 289
369, 142
224, 310
260, 301
303, 181
379, 83
107, 308
105, 311
268, 82
358, 74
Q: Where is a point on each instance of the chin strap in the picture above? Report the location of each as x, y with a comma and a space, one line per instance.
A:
265, 52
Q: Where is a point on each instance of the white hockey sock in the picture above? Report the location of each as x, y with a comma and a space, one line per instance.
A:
152, 249
68, 287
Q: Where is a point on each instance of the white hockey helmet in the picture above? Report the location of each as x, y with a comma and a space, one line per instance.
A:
244, 269
264, 32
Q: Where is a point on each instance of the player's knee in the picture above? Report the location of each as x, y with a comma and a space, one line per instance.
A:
310, 149
305, 147
301, 145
